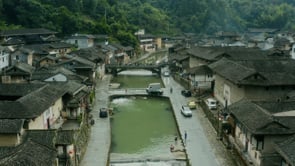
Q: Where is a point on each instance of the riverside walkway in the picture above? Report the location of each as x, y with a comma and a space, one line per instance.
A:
201, 145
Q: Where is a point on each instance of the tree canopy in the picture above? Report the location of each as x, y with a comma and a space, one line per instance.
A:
121, 18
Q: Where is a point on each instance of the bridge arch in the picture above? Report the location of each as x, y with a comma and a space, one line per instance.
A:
115, 69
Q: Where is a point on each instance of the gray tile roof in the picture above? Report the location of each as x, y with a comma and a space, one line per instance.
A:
200, 70
11, 126
31, 105
43, 137
20, 69
65, 137
29, 153
235, 53
256, 72
72, 87
258, 120
47, 72
286, 149
93, 54
21, 32
77, 62
18, 89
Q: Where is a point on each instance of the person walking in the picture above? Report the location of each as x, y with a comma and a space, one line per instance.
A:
185, 136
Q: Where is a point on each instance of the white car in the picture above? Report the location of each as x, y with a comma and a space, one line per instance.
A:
211, 103
166, 74
186, 111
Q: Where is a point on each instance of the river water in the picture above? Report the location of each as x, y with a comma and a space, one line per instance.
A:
143, 128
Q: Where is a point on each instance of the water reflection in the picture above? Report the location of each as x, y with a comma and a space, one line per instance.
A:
142, 126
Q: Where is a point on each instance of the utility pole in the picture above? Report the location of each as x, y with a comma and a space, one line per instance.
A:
105, 15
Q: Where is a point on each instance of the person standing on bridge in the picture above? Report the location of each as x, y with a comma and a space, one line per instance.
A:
171, 90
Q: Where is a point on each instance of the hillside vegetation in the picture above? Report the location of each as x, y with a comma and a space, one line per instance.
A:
121, 18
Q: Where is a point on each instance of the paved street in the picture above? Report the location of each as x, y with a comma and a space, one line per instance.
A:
202, 146
100, 139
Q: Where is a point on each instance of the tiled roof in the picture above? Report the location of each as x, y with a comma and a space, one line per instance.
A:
24, 68
81, 62
21, 32
65, 137
43, 137
286, 149
59, 45
18, 89
256, 72
91, 53
29, 153
51, 71
11, 126
200, 70
31, 105
234, 53
258, 120
81, 36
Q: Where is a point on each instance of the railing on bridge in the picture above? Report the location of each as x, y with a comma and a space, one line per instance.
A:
116, 68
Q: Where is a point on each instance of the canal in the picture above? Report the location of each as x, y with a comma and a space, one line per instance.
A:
143, 127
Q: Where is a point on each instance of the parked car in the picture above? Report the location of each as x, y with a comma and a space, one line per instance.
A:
186, 111
186, 93
103, 112
166, 74
211, 103
192, 104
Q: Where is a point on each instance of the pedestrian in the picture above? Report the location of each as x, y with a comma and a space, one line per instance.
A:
175, 139
171, 90
171, 148
185, 136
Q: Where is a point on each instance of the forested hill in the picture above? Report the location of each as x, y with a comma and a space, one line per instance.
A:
121, 18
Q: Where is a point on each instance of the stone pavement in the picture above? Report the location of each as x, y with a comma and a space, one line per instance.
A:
202, 146
100, 139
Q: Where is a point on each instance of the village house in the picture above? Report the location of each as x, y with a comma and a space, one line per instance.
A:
80, 66
81, 40
148, 43
252, 79
59, 108
223, 38
46, 61
18, 73
257, 126
22, 55
185, 60
201, 78
42, 50
262, 38
56, 74
17, 37
4, 57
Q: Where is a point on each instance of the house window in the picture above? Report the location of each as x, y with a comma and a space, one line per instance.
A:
255, 77
260, 142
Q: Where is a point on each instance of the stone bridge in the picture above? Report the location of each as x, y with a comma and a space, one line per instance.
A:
115, 69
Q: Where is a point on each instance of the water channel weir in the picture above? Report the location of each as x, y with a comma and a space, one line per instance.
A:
199, 150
